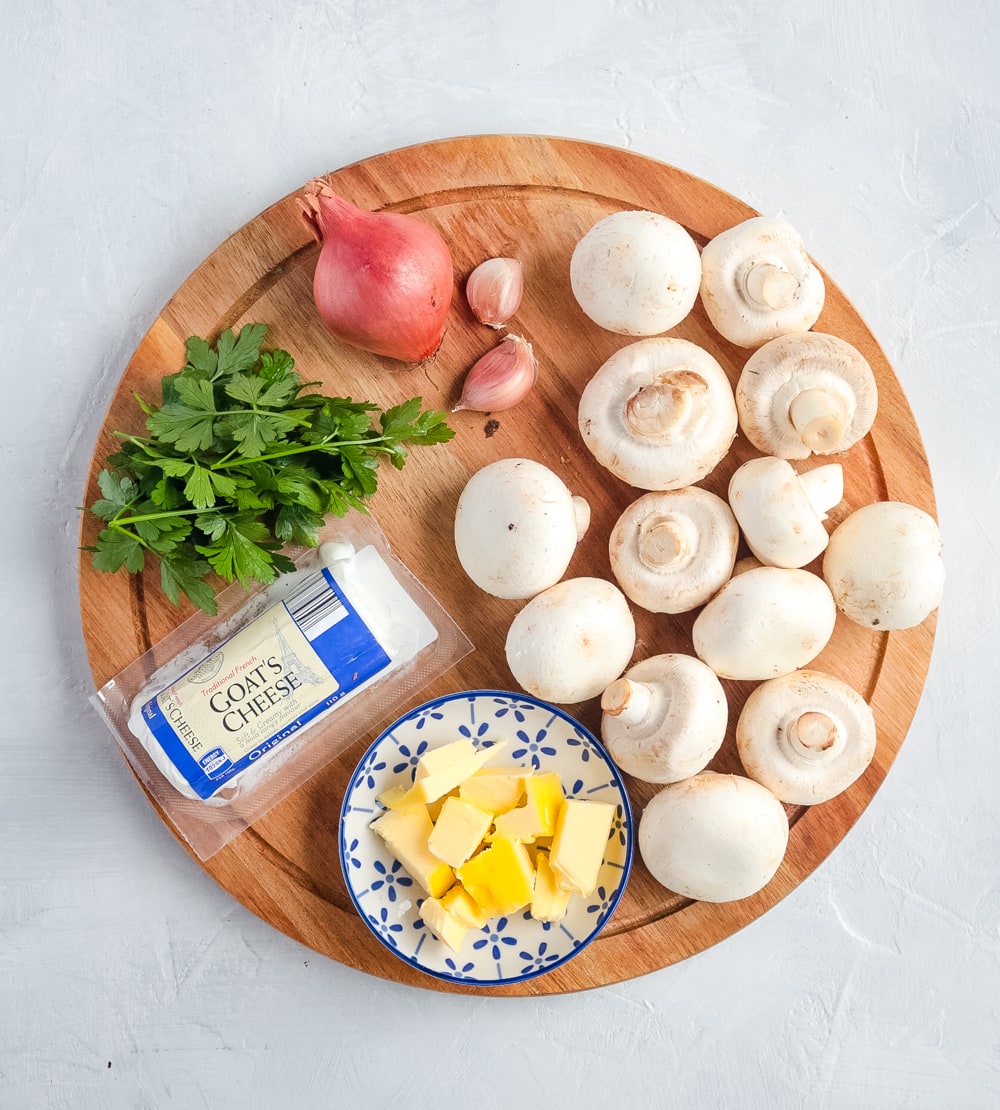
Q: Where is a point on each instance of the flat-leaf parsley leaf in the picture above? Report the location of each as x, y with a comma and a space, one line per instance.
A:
241, 458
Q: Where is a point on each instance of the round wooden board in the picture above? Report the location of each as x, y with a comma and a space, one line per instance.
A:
530, 197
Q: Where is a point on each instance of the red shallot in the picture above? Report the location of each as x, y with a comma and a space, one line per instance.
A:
383, 280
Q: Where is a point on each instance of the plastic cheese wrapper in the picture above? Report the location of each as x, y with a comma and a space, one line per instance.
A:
226, 716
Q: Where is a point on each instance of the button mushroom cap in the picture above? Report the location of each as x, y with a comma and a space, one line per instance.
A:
571, 641
781, 512
672, 550
765, 622
884, 565
713, 837
636, 273
806, 736
659, 413
665, 718
758, 282
516, 527
806, 393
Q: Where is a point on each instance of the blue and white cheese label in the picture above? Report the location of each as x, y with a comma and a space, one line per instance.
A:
264, 684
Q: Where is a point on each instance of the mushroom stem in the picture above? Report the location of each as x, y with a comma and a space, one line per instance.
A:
581, 513
819, 418
770, 286
665, 408
663, 542
629, 701
813, 734
824, 486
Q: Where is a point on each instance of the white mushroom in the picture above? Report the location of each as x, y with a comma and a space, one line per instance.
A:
571, 641
665, 718
713, 837
780, 512
806, 736
671, 551
659, 414
806, 393
758, 282
636, 273
765, 622
884, 565
516, 527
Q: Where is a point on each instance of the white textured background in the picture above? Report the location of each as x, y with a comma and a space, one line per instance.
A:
135, 137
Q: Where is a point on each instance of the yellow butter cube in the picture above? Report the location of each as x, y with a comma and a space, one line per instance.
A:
537, 816
391, 797
500, 878
458, 831
444, 925
496, 789
579, 842
405, 833
444, 775
461, 905
434, 808
549, 901
436, 760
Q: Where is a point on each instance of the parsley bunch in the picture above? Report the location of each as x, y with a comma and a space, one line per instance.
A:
241, 459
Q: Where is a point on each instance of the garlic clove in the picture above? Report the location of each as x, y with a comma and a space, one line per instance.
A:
501, 378
494, 290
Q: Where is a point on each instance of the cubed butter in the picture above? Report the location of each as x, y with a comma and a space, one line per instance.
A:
549, 901
543, 798
500, 877
460, 904
458, 831
434, 808
496, 789
446, 773
579, 842
444, 925
405, 833
391, 797
436, 760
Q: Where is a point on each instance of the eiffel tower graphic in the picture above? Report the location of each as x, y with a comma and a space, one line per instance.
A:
290, 662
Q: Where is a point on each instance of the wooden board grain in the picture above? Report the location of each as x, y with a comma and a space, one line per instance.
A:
530, 197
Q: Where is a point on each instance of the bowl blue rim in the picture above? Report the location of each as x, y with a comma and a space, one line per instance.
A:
470, 695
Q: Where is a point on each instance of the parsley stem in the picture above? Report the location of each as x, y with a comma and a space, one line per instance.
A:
166, 514
226, 462
140, 441
225, 458
113, 524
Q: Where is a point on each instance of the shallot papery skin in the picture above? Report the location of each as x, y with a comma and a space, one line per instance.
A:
383, 281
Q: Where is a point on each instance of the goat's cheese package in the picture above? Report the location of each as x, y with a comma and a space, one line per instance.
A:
226, 716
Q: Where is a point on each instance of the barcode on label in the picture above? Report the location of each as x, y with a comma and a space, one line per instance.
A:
314, 606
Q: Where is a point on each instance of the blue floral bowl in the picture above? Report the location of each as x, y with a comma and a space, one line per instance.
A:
508, 949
